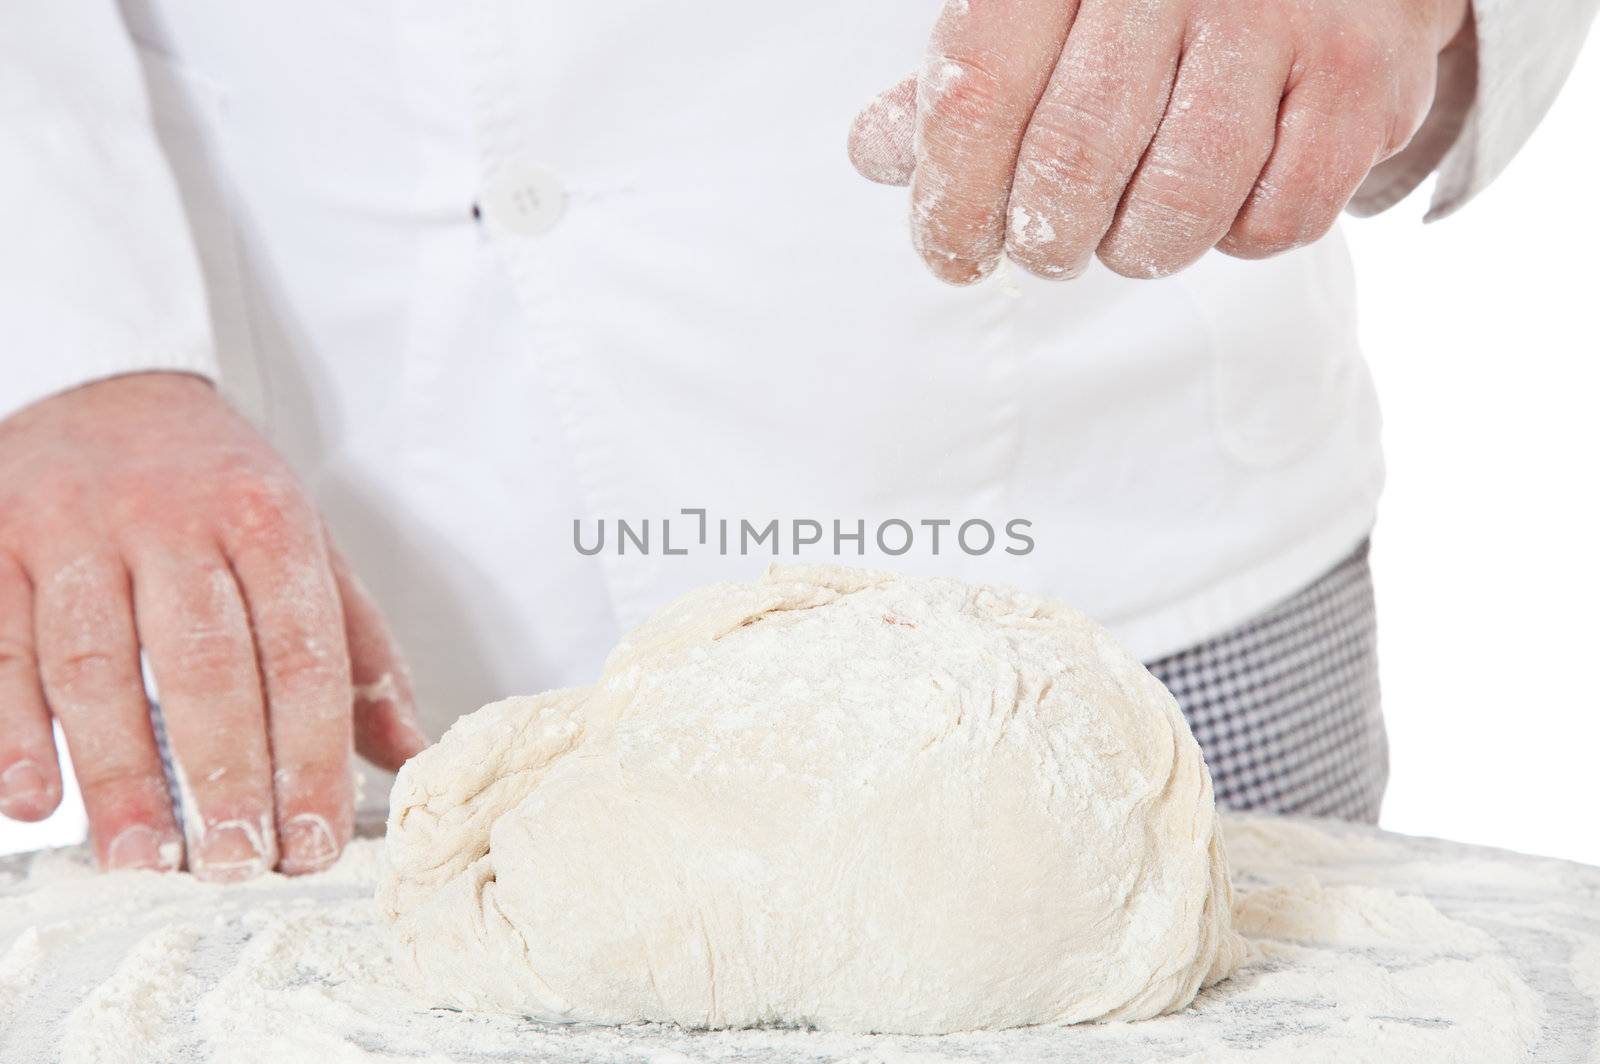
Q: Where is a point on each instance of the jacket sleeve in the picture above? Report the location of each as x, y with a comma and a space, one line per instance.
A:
1494, 89
98, 274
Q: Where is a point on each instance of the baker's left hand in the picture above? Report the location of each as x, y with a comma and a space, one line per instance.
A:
1148, 131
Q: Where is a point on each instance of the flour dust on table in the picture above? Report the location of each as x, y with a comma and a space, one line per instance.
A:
1366, 948
828, 798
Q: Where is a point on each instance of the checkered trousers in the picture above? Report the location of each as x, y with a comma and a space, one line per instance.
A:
1286, 708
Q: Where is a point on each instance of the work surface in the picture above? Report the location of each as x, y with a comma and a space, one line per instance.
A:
1368, 947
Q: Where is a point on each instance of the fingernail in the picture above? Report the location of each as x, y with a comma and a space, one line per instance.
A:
308, 844
230, 851
22, 790
141, 846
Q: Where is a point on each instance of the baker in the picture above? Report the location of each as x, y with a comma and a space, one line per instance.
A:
327, 325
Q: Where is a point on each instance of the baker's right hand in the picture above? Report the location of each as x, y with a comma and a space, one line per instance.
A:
142, 512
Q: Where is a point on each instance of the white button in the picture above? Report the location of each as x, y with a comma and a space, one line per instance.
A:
524, 199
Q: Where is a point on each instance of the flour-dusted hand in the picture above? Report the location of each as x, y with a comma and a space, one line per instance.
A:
1148, 131
142, 512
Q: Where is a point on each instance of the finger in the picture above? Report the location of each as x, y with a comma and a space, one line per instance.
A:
1213, 141
1324, 149
89, 664
882, 134
30, 778
1087, 135
386, 730
277, 551
974, 95
191, 621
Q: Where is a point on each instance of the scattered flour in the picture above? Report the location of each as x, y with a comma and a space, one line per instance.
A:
143, 1002
19, 967
1497, 961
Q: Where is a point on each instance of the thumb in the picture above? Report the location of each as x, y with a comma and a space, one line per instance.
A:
881, 138
384, 711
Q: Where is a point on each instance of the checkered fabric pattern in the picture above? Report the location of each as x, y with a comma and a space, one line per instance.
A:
1286, 708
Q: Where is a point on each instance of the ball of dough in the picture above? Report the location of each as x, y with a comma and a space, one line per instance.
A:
833, 798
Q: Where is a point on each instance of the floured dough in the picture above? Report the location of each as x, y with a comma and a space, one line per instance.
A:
831, 798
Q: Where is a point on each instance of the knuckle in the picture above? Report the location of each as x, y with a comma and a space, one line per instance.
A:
1356, 55
143, 498
207, 601
1258, 22
301, 661
212, 662
266, 507
198, 638
299, 653
57, 497
1077, 157
16, 655
1067, 190
1177, 207
960, 97
1081, 114
83, 675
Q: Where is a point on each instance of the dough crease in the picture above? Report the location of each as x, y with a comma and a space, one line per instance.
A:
830, 797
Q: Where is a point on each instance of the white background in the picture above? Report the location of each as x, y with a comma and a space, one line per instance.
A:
1481, 331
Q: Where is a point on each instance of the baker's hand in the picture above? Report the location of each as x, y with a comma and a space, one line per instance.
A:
142, 512
1148, 131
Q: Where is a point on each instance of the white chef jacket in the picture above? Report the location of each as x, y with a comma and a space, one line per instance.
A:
484, 270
